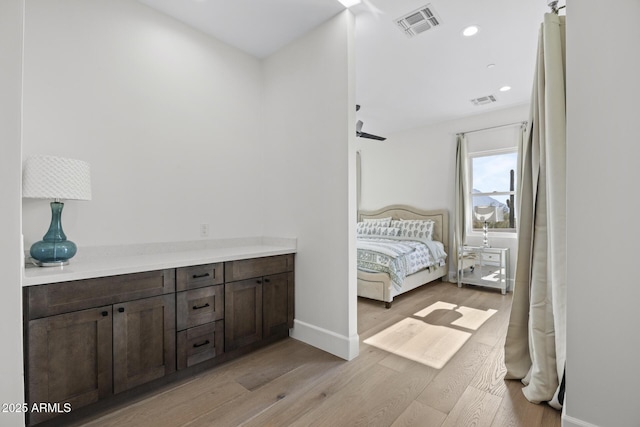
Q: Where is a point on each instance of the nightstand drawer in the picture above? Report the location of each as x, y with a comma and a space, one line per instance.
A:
195, 345
490, 258
199, 276
199, 306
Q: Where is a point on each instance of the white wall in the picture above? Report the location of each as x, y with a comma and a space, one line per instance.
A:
603, 296
11, 368
181, 129
310, 122
168, 118
417, 167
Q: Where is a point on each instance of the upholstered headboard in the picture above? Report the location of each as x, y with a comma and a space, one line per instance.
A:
439, 216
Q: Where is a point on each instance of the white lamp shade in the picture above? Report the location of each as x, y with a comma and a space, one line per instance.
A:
488, 213
50, 177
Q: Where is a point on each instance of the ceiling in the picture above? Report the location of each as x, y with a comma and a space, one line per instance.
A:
401, 82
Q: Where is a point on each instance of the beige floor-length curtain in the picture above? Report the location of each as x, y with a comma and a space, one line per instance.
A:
535, 347
358, 182
459, 229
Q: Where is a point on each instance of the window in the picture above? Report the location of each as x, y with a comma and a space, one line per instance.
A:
493, 184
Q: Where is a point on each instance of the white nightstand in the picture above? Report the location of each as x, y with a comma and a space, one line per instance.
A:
484, 267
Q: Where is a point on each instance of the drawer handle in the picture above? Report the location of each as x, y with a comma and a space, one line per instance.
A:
198, 307
200, 276
121, 310
258, 281
105, 313
267, 280
201, 344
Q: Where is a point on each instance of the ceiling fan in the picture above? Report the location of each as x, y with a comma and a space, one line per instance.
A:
361, 134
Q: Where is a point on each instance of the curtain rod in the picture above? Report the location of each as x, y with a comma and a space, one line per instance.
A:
523, 123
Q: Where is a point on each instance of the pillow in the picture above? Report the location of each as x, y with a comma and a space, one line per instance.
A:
367, 229
417, 228
382, 222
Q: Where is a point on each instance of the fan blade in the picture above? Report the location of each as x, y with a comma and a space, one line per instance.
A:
368, 135
364, 134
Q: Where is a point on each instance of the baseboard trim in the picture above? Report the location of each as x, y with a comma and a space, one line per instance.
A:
568, 421
340, 345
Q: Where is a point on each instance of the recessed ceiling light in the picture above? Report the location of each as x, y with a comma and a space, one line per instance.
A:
349, 3
471, 30
491, 65
505, 88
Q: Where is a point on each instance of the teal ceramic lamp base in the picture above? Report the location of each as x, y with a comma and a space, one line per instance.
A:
54, 249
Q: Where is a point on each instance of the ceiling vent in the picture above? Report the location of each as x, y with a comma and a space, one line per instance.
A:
484, 100
418, 21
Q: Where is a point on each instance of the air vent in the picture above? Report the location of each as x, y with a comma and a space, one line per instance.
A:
418, 21
483, 100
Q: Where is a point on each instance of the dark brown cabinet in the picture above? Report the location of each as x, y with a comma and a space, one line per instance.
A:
89, 340
70, 359
90, 353
258, 300
200, 314
277, 304
144, 336
243, 305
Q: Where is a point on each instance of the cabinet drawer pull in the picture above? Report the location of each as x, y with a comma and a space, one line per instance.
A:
121, 310
201, 344
105, 313
267, 280
258, 281
198, 307
200, 276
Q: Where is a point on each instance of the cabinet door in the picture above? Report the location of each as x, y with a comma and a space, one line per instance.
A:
277, 294
243, 313
69, 359
144, 346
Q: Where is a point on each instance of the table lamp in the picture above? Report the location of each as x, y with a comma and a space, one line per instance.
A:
487, 214
57, 178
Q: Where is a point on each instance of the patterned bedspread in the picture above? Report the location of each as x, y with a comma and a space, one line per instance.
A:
398, 257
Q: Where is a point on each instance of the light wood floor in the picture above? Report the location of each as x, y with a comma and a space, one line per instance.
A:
293, 384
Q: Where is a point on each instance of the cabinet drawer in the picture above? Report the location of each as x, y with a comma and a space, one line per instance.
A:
65, 297
201, 343
199, 276
256, 267
492, 259
199, 306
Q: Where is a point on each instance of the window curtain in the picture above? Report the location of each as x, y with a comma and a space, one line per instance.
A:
535, 346
459, 232
358, 182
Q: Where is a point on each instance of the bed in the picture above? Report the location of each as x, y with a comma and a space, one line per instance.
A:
384, 286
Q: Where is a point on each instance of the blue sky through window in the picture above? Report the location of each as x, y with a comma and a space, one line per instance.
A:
491, 173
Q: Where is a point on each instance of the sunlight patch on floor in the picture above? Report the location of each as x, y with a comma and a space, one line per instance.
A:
433, 345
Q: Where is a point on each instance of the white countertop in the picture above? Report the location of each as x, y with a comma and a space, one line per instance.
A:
113, 260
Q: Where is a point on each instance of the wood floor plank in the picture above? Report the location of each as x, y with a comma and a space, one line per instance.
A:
516, 411
474, 408
333, 382
375, 399
244, 408
290, 383
451, 382
175, 407
490, 376
419, 415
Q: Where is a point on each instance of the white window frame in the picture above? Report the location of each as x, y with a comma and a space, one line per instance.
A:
493, 232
